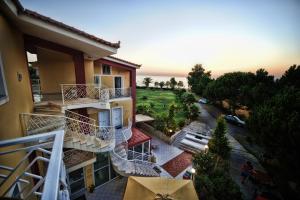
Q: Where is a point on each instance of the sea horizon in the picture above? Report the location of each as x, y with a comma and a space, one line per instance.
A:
159, 78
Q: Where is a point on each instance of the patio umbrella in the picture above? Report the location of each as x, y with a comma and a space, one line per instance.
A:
157, 188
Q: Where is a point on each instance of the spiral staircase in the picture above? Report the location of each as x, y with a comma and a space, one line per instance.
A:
138, 165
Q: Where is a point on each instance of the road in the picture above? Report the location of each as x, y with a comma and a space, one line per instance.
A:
210, 113
239, 154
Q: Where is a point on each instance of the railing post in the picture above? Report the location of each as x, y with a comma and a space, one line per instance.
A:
62, 93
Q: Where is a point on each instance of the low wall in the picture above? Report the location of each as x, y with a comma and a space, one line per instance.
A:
151, 131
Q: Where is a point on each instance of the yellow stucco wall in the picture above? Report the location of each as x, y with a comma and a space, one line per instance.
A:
89, 176
20, 97
89, 71
55, 68
108, 80
19, 92
127, 109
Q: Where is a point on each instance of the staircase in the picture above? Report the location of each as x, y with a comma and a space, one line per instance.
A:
130, 167
78, 134
19, 177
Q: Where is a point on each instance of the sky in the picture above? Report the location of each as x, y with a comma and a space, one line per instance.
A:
170, 37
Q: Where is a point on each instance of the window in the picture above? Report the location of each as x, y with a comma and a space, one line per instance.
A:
97, 80
3, 89
103, 170
106, 69
76, 180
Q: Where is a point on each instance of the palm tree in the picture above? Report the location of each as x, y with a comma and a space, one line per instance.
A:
161, 84
180, 84
173, 83
168, 84
147, 81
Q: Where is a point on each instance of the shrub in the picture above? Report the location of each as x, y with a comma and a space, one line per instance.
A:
144, 109
144, 97
181, 123
194, 112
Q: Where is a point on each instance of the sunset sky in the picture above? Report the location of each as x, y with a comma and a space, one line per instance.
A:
169, 37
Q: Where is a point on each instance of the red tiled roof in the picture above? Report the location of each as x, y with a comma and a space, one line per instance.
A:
49, 20
178, 164
138, 65
138, 137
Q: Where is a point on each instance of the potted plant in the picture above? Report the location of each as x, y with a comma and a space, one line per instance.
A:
92, 188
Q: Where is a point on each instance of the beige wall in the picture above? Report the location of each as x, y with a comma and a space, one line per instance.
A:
89, 71
19, 92
127, 109
89, 176
20, 97
109, 80
55, 68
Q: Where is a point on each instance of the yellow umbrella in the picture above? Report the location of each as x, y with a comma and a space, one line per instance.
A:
154, 188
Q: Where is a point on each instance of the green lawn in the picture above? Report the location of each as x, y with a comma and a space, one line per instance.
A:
160, 99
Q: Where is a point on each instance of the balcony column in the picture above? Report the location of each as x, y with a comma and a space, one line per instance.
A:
78, 60
133, 93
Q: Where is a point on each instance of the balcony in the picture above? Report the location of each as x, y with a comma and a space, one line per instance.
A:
81, 135
91, 95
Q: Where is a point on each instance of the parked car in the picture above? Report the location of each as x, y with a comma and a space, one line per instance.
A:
187, 175
234, 120
203, 101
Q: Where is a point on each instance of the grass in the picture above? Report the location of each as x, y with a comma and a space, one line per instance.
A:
160, 99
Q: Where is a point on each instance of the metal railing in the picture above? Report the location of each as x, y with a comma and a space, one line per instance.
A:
32, 150
89, 93
74, 115
131, 161
73, 128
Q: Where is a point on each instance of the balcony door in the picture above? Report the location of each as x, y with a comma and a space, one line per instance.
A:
104, 118
118, 86
117, 117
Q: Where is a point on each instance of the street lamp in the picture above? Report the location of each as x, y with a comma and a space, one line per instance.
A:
193, 171
205, 148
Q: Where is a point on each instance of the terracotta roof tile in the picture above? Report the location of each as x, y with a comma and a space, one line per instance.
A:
138, 137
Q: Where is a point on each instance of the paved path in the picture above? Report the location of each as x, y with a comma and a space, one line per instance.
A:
239, 154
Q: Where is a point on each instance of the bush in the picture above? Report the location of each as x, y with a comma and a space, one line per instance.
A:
181, 123
144, 97
160, 122
144, 109
194, 112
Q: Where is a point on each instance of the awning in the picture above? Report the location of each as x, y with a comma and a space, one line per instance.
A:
138, 137
143, 118
149, 188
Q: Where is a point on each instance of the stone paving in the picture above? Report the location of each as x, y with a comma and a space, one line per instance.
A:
113, 190
164, 151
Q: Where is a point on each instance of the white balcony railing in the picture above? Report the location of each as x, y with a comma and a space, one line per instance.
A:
32, 185
89, 93
73, 128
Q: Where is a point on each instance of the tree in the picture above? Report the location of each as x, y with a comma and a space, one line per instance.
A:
291, 77
194, 112
242, 88
219, 143
188, 98
180, 84
161, 84
173, 83
168, 84
156, 84
147, 81
198, 79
